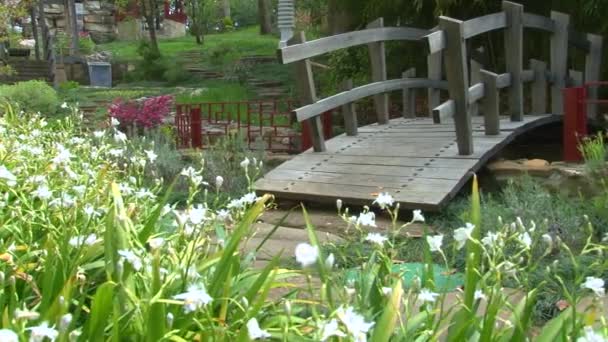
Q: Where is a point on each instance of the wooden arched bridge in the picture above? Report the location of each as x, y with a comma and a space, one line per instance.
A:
424, 161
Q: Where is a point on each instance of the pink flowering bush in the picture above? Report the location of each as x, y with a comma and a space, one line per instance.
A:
143, 113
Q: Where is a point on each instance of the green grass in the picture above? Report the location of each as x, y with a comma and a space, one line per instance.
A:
248, 40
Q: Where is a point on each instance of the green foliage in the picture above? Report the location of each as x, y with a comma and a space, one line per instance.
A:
595, 152
31, 96
86, 46
175, 74
223, 55
151, 66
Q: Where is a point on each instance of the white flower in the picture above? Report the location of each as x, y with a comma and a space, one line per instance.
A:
151, 155
479, 295
223, 214
156, 243
114, 122
427, 296
64, 322
329, 329
376, 238
509, 268
387, 290
490, 239
197, 214
8, 176
26, 314
254, 330
195, 298
63, 155
7, 335
219, 180
116, 152
79, 189
417, 216
329, 262
384, 200
435, 242
592, 336
38, 333
306, 254
339, 204
64, 105
99, 134
131, 258
367, 219
596, 285
525, 239
355, 323
120, 137
548, 239
43, 192
462, 234
192, 174
170, 320
245, 163
77, 141
78, 241
349, 290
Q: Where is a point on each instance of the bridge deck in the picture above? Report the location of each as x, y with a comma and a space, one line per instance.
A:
414, 160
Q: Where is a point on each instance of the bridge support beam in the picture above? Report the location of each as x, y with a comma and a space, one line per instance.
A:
409, 96
593, 65
514, 57
377, 57
458, 81
349, 112
559, 60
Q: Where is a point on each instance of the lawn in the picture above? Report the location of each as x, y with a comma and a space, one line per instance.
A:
248, 40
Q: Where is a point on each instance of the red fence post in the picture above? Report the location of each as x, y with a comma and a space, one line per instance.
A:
196, 127
575, 122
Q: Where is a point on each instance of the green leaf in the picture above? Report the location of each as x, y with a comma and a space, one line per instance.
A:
385, 326
148, 229
100, 311
156, 314
560, 325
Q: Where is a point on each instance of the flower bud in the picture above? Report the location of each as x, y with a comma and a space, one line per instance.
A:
219, 180
64, 322
339, 204
287, 305
169, 320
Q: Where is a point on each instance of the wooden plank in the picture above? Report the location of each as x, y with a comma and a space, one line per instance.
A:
314, 158
527, 76
324, 45
434, 63
475, 77
503, 81
380, 170
349, 112
538, 22
457, 75
476, 92
335, 101
514, 58
409, 96
559, 60
377, 58
593, 65
490, 103
483, 24
435, 42
444, 111
412, 184
575, 77
539, 86
307, 93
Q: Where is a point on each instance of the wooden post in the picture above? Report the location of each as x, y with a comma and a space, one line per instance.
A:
409, 96
475, 75
490, 104
575, 77
514, 58
377, 59
593, 65
349, 112
539, 86
458, 81
434, 62
307, 94
559, 60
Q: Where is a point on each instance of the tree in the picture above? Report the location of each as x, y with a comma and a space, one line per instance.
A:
265, 16
197, 14
72, 23
226, 8
148, 10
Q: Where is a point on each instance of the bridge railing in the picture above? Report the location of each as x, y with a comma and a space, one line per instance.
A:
447, 46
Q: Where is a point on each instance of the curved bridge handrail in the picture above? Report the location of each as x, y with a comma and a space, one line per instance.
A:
346, 97
298, 52
476, 26
538, 22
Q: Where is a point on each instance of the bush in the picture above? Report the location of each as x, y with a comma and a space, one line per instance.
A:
151, 67
31, 96
175, 74
143, 113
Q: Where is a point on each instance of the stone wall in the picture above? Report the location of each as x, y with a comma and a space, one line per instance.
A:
95, 17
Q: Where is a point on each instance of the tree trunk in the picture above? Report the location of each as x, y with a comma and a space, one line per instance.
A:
226, 8
264, 15
148, 12
339, 19
72, 23
35, 32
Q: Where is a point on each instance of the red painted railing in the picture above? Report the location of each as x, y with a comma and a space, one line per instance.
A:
575, 117
270, 123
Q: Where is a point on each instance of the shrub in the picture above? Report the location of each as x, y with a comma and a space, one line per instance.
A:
31, 96
151, 67
143, 113
175, 73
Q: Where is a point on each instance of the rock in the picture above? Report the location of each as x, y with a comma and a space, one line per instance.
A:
99, 19
536, 163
